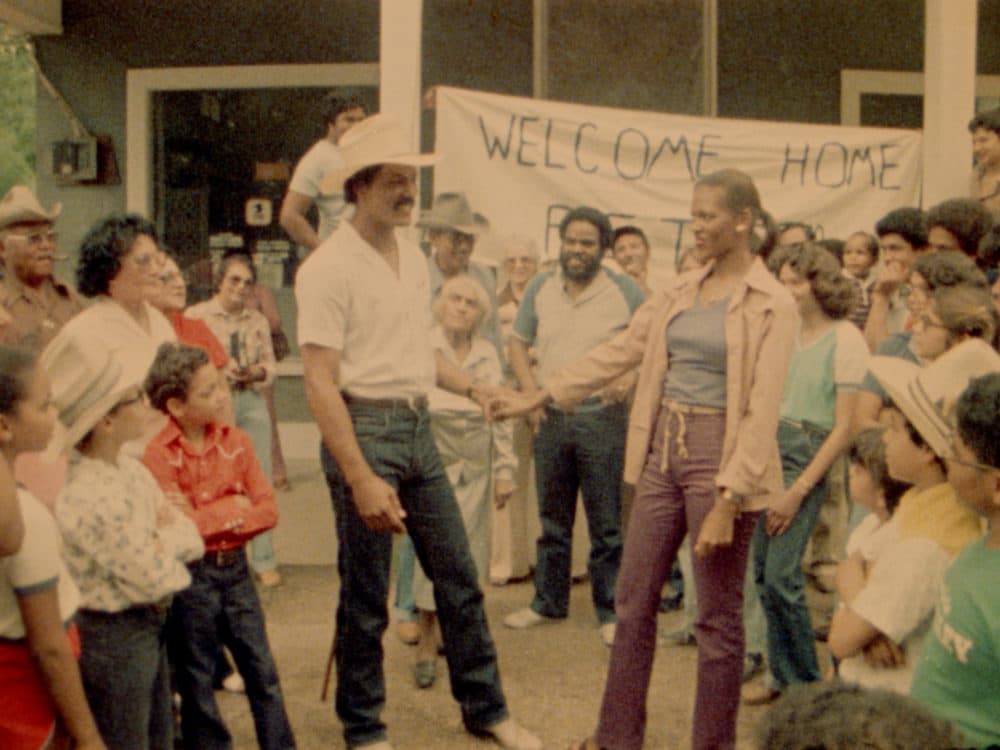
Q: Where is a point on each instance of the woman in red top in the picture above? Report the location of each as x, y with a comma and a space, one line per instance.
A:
170, 298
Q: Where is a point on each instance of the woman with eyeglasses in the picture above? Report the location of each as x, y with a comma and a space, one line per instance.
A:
118, 267
246, 336
930, 272
170, 298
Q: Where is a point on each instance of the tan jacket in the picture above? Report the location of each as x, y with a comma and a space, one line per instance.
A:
761, 323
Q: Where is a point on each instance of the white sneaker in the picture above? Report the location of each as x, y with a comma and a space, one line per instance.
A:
380, 745
608, 633
512, 736
525, 618
233, 683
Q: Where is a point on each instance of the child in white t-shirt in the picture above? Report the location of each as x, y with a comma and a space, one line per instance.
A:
41, 693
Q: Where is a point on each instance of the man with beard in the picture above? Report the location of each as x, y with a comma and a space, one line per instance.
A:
38, 304
564, 314
368, 362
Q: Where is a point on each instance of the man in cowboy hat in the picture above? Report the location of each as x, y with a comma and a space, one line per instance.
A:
340, 112
452, 230
364, 332
38, 304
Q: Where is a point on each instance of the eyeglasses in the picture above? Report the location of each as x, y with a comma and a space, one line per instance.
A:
35, 239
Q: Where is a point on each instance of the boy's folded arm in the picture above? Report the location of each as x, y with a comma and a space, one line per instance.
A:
217, 517
263, 513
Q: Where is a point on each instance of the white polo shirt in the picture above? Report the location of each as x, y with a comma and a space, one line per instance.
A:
349, 299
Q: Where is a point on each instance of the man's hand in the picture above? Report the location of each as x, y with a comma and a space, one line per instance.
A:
892, 277
883, 653
484, 395
781, 512
507, 403
503, 489
378, 505
717, 528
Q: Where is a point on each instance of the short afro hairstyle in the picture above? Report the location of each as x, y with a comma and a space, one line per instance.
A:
966, 218
592, 216
908, 223
835, 293
840, 716
103, 248
171, 372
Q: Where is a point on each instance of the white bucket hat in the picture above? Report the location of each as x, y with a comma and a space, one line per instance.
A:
87, 382
927, 395
377, 139
20, 205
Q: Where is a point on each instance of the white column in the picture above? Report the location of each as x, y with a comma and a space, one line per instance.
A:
949, 97
540, 48
401, 25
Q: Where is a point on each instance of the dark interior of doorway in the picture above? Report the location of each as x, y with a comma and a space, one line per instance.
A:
215, 149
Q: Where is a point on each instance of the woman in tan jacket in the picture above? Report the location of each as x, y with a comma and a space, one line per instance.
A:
712, 351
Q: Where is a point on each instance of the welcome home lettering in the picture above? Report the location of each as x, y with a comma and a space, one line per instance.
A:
633, 154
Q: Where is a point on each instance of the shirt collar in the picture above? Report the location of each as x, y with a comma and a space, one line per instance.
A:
757, 278
17, 288
214, 307
172, 434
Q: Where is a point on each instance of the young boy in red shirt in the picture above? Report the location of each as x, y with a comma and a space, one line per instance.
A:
210, 469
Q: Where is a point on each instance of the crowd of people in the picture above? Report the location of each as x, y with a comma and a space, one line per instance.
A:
782, 396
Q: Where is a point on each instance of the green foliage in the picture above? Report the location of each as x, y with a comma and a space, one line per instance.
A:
17, 111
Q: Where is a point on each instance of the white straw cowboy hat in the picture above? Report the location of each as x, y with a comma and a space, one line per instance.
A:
87, 381
20, 205
927, 395
377, 139
452, 211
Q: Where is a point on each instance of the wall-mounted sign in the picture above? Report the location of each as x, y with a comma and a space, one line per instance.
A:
259, 212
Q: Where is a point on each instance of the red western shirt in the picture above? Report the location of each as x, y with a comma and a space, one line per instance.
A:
211, 479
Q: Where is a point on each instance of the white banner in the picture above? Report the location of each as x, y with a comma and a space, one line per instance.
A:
524, 162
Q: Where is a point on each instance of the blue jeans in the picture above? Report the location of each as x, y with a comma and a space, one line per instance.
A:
406, 559
250, 413
398, 445
123, 663
777, 561
222, 603
579, 452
